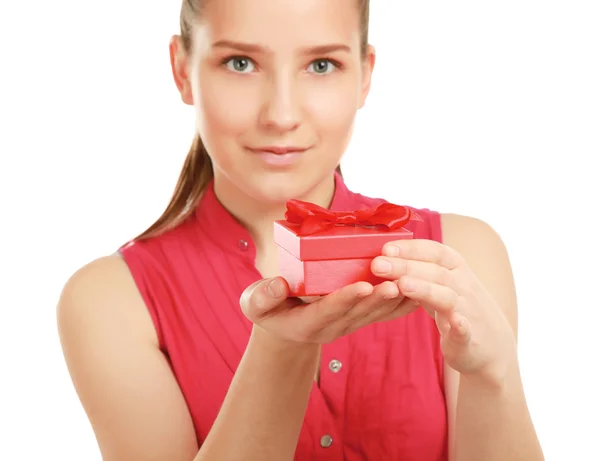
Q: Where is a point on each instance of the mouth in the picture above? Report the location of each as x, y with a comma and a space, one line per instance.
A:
278, 150
279, 156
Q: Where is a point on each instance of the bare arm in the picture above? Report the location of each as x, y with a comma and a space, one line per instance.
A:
265, 406
124, 382
490, 422
132, 399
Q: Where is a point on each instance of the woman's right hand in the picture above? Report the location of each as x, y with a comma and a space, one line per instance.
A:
268, 305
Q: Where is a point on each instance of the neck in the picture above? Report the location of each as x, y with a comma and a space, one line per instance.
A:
258, 215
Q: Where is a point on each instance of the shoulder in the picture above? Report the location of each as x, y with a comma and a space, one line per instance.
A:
474, 239
137, 282
160, 249
108, 275
462, 229
100, 295
466, 234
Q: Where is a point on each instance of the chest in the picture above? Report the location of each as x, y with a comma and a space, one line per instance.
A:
378, 393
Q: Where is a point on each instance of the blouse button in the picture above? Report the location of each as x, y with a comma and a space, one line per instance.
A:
326, 441
243, 245
335, 365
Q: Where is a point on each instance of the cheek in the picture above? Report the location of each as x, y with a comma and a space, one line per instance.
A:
224, 110
332, 108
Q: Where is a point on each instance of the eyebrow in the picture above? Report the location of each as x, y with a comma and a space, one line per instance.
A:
253, 48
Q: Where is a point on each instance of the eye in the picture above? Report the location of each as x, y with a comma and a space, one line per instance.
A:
322, 66
240, 65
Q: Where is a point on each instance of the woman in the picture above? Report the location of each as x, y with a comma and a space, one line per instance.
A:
186, 345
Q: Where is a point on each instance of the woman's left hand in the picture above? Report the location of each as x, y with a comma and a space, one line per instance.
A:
476, 337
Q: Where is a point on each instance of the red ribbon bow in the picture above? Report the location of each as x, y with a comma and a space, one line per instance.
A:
313, 218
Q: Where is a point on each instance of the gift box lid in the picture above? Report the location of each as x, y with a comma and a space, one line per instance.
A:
337, 242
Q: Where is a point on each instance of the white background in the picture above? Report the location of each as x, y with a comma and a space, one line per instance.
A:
490, 109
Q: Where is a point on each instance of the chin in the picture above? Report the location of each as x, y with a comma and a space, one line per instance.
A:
277, 187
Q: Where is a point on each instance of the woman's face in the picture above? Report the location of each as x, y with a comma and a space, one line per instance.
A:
276, 85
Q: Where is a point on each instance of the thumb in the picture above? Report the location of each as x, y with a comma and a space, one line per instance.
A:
263, 296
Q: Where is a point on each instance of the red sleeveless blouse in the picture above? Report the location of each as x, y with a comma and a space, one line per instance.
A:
381, 391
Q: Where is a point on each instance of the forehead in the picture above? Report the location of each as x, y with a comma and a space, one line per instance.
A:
282, 24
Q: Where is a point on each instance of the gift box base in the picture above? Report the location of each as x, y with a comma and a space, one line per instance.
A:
318, 278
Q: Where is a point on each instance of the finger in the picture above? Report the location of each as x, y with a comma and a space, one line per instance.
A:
402, 308
460, 328
395, 268
442, 322
382, 294
424, 250
263, 296
431, 296
335, 305
384, 299
309, 299
312, 318
372, 316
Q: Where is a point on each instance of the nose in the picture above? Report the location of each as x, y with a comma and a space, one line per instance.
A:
281, 110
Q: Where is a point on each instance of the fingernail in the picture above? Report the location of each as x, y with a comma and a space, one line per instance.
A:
363, 294
390, 295
391, 250
275, 289
382, 266
408, 284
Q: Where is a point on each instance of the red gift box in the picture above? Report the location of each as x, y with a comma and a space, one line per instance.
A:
321, 251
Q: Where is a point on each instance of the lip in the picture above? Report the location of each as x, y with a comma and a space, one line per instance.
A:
279, 156
278, 150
